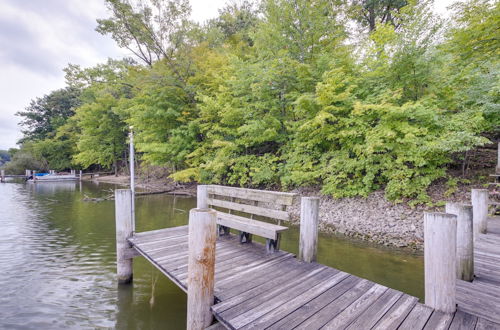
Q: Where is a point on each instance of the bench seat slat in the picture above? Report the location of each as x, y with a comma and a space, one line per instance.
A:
281, 198
259, 228
270, 213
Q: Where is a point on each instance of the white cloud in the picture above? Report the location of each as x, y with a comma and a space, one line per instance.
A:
39, 38
206, 9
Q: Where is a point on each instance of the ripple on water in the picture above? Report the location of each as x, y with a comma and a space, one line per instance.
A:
49, 280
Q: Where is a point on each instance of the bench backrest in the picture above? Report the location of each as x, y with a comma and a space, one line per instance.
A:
269, 204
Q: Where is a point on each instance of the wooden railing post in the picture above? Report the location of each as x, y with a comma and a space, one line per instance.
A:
440, 242
465, 240
309, 214
479, 198
201, 267
202, 196
124, 229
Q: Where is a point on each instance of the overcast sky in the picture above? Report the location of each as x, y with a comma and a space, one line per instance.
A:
38, 38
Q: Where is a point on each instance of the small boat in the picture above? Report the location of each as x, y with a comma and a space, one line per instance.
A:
51, 177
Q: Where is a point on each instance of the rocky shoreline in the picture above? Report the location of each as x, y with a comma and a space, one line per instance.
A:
377, 220
373, 218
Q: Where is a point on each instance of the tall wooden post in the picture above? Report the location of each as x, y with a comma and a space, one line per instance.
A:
498, 159
201, 267
2, 175
309, 215
465, 240
125, 227
440, 245
81, 175
202, 197
479, 198
34, 175
132, 168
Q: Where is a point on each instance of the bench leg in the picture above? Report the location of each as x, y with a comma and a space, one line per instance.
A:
222, 230
273, 245
245, 237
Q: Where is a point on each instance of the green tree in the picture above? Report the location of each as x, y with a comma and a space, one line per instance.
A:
151, 31
44, 115
370, 13
103, 134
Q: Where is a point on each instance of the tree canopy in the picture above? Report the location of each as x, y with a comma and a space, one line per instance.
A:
352, 96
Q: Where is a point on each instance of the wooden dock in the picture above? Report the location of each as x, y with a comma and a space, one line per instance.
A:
259, 290
481, 297
248, 285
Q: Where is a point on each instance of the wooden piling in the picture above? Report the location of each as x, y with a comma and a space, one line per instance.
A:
2, 175
202, 197
440, 237
308, 245
479, 198
27, 173
81, 175
465, 240
34, 175
124, 229
201, 267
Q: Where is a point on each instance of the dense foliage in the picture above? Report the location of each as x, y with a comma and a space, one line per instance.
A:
354, 96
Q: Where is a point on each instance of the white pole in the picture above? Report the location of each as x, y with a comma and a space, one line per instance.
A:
202, 197
308, 244
465, 240
124, 229
440, 262
479, 198
498, 159
132, 169
201, 268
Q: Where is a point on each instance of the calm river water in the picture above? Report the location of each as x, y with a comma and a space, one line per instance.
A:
57, 261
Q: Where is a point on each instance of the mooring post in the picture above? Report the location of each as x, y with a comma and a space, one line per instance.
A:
479, 198
308, 245
34, 175
202, 197
465, 240
2, 175
27, 173
201, 267
440, 245
81, 175
125, 227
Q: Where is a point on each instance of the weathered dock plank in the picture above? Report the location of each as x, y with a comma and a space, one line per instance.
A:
255, 289
481, 297
397, 313
417, 318
463, 321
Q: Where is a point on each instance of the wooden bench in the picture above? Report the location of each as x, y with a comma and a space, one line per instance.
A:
248, 203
